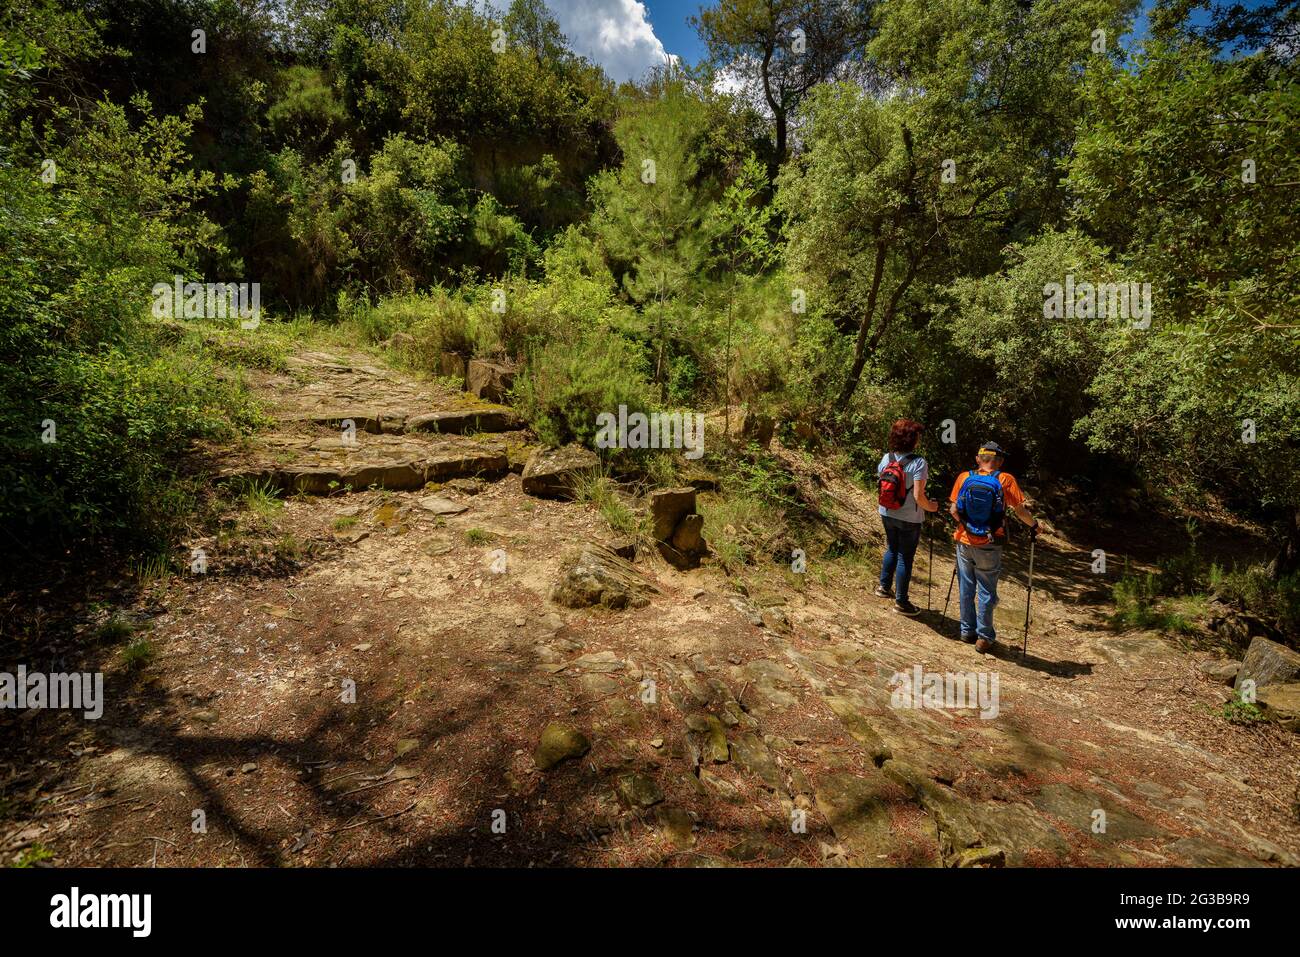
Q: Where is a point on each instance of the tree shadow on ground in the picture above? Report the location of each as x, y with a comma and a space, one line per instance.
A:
291, 808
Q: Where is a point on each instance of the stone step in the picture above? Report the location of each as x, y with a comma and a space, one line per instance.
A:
495, 418
398, 463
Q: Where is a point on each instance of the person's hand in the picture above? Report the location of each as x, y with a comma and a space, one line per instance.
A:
1033, 531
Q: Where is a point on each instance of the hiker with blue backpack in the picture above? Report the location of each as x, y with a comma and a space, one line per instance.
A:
979, 502
902, 475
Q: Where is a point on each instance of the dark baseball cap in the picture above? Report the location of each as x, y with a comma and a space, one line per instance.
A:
994, 448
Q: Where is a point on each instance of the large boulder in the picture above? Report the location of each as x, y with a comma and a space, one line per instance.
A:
489, 380
555, 473
668, 506
678, 529
1282, 701
1269, 663
594, 575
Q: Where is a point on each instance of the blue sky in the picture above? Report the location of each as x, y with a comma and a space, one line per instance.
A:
669, 20
627, 37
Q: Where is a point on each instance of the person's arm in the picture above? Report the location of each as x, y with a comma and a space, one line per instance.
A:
929, 504
1022, 512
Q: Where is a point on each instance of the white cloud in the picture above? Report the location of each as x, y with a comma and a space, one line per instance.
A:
617, 34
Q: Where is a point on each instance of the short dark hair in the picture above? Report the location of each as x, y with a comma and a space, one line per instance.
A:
904, 435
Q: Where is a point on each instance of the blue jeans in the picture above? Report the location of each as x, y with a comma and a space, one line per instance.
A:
901, 539
977, 572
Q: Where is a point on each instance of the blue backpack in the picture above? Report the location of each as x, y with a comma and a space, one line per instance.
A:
980, 503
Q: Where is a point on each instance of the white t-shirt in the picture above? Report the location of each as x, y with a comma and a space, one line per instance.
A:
915, 469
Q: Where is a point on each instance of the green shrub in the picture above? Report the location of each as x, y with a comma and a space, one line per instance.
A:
566, 385
1183, 573
438, 322
1135, 602
1237, 711
742, 528
138, 654
114, 631
100, 404
1257, 591
122, 420
36, 854
1138, 604
603, 492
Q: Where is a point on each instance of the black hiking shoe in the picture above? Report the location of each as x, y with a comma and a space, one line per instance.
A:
906, 608
882, 592
969, 639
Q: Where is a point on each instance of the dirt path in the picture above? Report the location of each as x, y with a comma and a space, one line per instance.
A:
721, 733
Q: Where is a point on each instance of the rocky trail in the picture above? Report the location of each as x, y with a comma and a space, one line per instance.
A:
406, 691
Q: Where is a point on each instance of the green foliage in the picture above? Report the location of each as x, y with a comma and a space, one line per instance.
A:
1033, 371
954, 158
567, 385
1135, 598
1220, 253
34, 855
114, 631
743, 528
96, 409
752, 40
1258, 590
139, 654
651, 212
307, 114
603, 492
261, 499
1237, 711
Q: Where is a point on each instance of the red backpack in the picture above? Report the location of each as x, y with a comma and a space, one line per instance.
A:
893, 483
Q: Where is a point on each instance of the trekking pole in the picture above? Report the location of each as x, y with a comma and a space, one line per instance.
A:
952, 581
929, 572
1029, 594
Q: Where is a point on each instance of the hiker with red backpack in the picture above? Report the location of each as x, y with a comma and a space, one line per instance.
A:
979, 502
902, 475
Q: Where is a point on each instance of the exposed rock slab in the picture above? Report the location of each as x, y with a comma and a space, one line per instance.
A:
441, 506
555, 473
982, 832
380, 449
1078, 809
856, 806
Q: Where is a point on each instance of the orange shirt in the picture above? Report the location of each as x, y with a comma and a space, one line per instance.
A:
1010, 492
